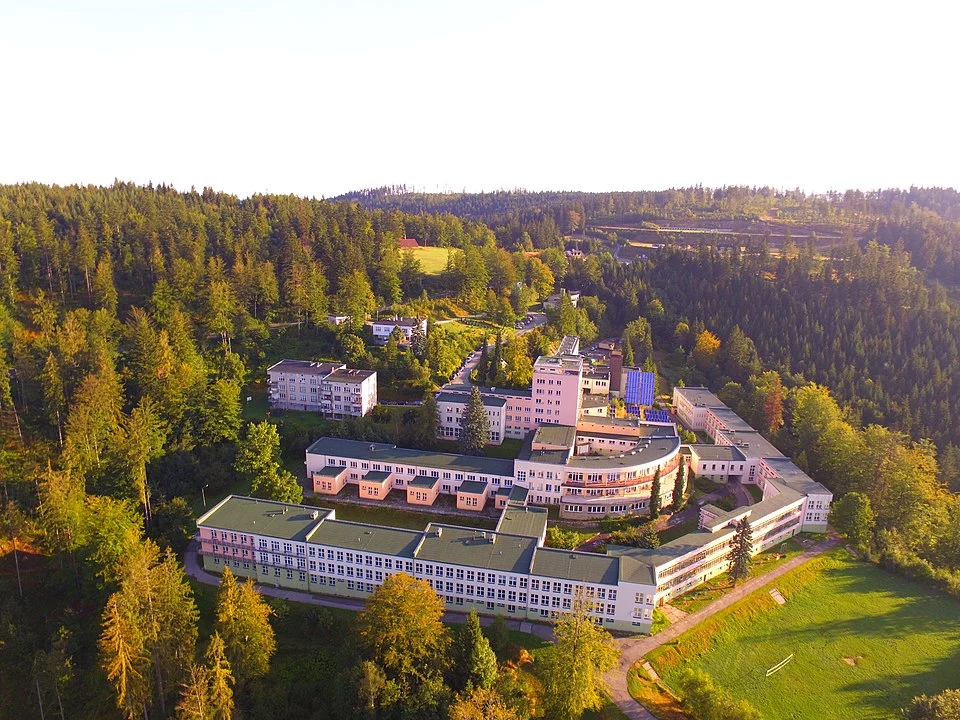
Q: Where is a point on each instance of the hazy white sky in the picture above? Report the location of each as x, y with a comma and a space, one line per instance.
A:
318, 98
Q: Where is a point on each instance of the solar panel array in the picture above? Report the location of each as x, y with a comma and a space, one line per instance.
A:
640, 388
656, 416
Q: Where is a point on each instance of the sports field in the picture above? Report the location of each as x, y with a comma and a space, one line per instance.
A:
433, 260
864, 643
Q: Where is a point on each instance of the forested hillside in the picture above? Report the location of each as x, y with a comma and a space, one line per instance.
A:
925, 220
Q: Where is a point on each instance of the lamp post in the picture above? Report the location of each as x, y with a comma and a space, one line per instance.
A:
204, 495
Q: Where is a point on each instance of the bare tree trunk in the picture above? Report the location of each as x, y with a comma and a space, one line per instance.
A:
36, 680
16, 561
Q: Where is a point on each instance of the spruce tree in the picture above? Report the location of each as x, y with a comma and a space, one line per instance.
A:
475, 664
474, 425
741, 553
680, 487
655, 496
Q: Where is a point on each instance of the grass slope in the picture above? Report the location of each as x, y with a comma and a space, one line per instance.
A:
865, 643
433, 260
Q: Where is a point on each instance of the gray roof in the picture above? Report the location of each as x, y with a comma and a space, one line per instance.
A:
472, 548
794, 477
472, 487
367, 538
591, 400
579, 566
376, 476
424, 481
391, 454
674, 549
518, 494
700, 396
464, 398
751, 443
730, 419
717, 452
305, 367
564, 435
522, 520
349, 375
330, 471
263, 517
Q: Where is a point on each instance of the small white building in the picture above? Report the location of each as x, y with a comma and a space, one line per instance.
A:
384, 327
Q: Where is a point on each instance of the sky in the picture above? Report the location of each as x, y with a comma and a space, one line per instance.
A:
321, 98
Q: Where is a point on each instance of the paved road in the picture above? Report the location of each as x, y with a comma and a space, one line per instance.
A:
195, 570
632, 649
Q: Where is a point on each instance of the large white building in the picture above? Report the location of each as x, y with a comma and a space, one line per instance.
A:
332, 389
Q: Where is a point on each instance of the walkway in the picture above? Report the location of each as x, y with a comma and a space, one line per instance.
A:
196, 571
632, 649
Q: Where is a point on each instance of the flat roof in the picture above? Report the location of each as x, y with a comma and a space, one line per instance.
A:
550, 434
391, 454
305, 367
569, 345
472, 487
564, 362
592, 400
330, 471
367, 538
263, 517
751, 443
376, 476
730, 419
572, 565
728, 453
699, 396
403, 322
471, 547
424, 481
462, 398
523, 520
350, 376
518, 493
668, 552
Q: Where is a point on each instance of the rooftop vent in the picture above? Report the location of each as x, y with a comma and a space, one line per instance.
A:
372, 447
439, 532
492, 539
315, 514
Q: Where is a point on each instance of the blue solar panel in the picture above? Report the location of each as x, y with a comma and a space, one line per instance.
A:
656, 416
639, 388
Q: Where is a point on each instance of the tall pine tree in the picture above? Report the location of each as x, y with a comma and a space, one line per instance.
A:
741, 554
655, 496
474, 425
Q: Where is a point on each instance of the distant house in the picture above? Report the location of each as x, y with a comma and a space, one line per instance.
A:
408, 243
383, 327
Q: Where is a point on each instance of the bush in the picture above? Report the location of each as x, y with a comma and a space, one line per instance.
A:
706, 701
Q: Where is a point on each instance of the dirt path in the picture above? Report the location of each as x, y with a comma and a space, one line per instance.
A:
632, 649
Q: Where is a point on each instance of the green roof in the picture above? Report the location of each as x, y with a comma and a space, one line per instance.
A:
472, 548
504, 491
366, 538
263, 517
376, 476
330, 471
424, 481
585, 567
472, 487
527, 521
518, 493
391, 454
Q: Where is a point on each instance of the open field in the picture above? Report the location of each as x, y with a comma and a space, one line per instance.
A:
864, 643
433, 260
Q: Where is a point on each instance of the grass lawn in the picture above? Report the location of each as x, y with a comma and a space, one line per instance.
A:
864, 642
433, 260
755, 492
704, 594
